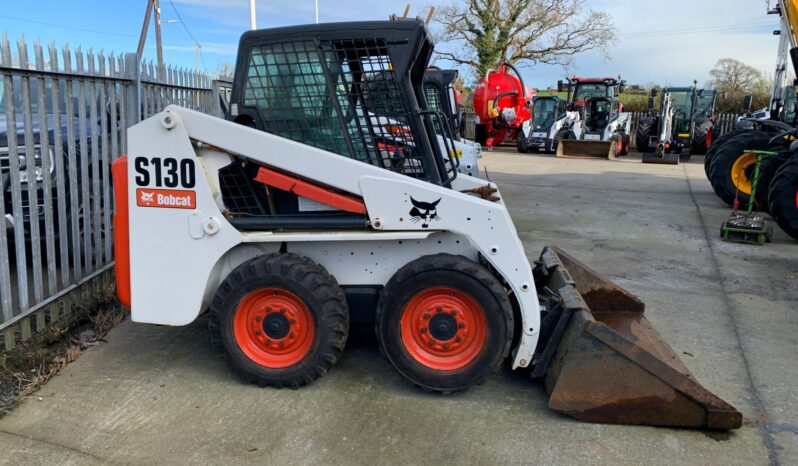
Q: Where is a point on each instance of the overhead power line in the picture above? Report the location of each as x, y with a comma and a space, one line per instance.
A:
701, 29
183, 23
61, 26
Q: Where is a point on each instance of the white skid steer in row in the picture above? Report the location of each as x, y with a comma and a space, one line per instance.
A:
282, 221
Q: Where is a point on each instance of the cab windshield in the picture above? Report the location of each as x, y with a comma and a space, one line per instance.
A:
682, 107
544, 113
703, 105
586, 91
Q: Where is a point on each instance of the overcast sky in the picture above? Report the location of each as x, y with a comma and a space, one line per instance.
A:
664, 42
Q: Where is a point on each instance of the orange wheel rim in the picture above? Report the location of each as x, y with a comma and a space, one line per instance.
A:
443, 328
273, 327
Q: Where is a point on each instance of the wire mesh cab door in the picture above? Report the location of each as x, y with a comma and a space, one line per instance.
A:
349, 88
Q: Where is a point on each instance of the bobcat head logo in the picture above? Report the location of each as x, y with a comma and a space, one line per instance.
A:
146, 197
424, 212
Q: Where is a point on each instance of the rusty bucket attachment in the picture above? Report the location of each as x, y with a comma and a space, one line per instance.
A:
603, 361
581, 149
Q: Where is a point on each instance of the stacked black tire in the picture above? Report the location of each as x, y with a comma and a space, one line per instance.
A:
702, 136
777, 190
646, 127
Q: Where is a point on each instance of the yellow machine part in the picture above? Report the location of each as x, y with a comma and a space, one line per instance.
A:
739, 172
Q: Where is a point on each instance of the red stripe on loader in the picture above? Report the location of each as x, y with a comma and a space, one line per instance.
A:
310, 191
121, 231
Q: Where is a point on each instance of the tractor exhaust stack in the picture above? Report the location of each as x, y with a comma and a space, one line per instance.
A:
582, 149
603, 361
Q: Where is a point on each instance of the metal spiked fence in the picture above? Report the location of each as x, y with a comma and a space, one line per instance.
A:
66, 114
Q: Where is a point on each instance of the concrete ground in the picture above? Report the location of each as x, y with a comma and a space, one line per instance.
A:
161, 395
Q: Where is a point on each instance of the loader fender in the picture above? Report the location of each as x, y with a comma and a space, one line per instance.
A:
404, 205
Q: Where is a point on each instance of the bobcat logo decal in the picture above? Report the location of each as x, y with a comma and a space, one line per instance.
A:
424, 212
146, 197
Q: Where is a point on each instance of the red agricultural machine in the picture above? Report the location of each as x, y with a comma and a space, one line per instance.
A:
502, 104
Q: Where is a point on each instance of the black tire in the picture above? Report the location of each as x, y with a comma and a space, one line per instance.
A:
767, 171
783, 197
720, 170
701, 133
294, 276
521, 143
717, 144
624, 141
488, 299
646, 127
481, 134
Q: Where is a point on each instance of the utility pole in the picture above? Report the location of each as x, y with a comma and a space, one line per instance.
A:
197, 58
252, 25
158, 43
317, 11
144, 27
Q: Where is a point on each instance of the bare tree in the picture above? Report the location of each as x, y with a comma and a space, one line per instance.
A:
734, 79
487, 32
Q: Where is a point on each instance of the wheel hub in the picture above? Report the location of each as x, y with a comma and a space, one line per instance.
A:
276, 326
443, 327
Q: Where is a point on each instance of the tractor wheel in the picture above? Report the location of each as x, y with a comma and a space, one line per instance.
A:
717, 144
481, 134
521, 144
702, 136
732, 167
646, 127
783, 197
767, 171
445, 323
280, 320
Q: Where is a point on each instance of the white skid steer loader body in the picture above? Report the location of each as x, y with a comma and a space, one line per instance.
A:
182, 247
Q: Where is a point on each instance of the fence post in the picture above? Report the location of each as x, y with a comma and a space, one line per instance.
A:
133, 89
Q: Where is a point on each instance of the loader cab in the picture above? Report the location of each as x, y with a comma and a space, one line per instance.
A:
354, 89
599, 112
440, 96
683, 100
546, 111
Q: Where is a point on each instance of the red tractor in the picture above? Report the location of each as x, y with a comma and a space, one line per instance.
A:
502, 104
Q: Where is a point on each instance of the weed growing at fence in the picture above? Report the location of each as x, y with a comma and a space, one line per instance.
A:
33, 362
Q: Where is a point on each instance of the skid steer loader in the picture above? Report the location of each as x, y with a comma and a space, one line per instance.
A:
441, 96
551, 122
604, 125
282, 221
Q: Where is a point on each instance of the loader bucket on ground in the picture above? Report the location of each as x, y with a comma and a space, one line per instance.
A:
603, 361
581, 149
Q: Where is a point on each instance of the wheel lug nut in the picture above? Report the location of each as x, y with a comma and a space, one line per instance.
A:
282, 310
258, 318
458, 338
445, 346
292, 321
438, 309
257, 332
454, 312
292, 335
426, 316
461, 325
431, 342
268, 342
282, 343
423, 329
268, 309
